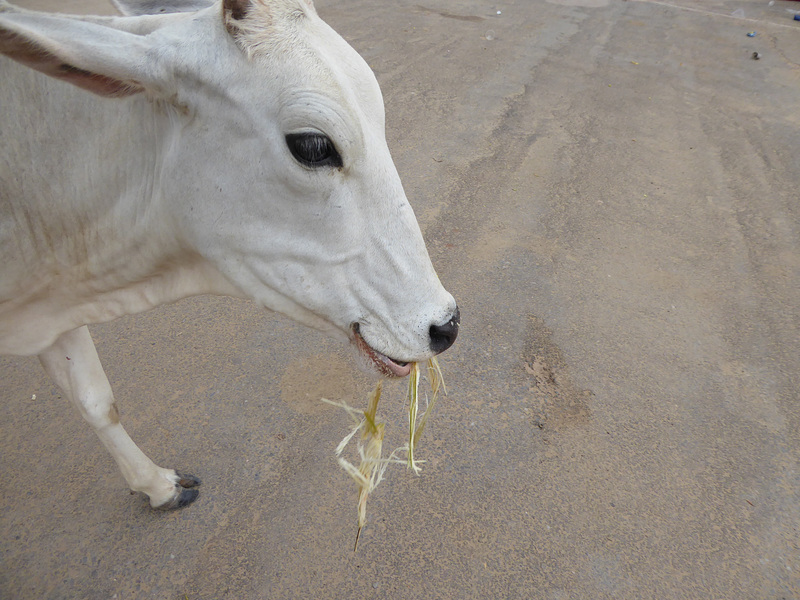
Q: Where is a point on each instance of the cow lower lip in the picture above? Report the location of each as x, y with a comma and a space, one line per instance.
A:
388, 367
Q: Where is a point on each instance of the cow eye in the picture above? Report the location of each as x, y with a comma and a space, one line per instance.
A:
313, 150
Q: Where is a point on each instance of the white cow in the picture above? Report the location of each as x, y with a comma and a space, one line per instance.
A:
236, 148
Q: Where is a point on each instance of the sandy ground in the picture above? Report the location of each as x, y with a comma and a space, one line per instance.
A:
609, 188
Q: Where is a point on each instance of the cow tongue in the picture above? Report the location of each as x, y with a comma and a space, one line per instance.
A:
397, 369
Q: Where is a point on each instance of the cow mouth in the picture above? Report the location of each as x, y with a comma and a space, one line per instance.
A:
388, 367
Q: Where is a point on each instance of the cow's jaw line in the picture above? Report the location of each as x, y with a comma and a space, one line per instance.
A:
388, 367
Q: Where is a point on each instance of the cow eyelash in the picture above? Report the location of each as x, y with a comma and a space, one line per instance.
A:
313, 150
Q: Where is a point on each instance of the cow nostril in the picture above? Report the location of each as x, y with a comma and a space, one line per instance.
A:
443, 336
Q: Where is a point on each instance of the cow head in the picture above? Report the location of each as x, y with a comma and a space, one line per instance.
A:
274, 164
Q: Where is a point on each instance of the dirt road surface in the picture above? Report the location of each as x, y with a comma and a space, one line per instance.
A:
610, 190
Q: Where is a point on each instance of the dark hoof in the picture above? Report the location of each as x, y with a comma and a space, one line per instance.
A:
184, 498
188, 481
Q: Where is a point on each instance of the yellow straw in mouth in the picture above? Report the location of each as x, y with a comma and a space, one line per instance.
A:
372, 467
415, 430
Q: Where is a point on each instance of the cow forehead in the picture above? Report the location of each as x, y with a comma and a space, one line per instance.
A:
318, 69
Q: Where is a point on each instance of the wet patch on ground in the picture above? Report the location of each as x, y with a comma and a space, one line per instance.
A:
559, 402
305, 382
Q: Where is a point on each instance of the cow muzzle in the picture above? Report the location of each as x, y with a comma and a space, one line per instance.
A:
441, 337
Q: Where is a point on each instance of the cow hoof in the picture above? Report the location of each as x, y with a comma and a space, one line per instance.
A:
187, 481
185, 493
182, 498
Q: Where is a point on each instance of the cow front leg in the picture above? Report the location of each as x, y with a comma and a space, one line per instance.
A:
73, 364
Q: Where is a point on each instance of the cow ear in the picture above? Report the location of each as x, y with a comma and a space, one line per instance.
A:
158, 7
100, 59
236, 9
